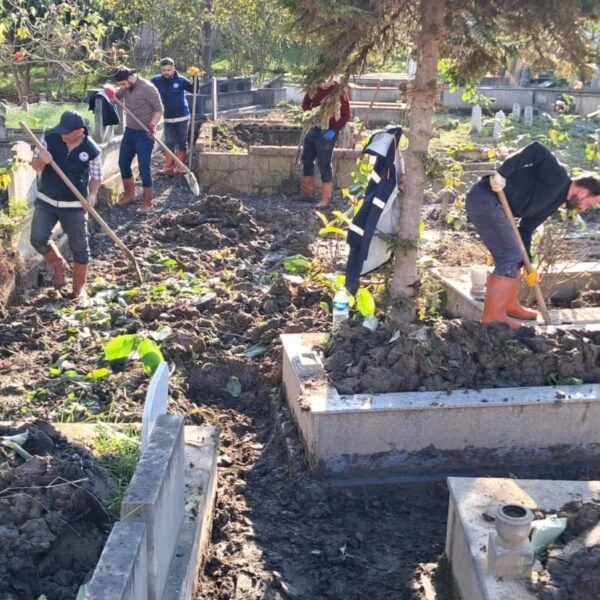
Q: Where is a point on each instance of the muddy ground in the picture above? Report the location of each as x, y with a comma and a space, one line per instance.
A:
215, 300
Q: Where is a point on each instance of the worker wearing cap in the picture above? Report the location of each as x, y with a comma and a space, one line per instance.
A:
78, 156
536, 186
142, 99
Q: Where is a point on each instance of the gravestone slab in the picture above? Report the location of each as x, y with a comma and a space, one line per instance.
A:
476, 118
528, 116
516, 112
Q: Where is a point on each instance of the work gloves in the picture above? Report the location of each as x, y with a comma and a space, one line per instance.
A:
497, 182
329, 135
110, 92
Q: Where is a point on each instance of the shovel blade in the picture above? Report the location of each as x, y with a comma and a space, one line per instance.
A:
193, 183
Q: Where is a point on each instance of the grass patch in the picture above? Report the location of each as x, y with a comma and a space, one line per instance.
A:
42, 116
119, 452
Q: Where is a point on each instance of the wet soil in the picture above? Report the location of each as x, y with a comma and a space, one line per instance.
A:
570, 567
53, 524
216, 299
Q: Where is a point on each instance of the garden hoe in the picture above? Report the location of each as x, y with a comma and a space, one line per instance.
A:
193, 72
90, 209
526, 262
189, 176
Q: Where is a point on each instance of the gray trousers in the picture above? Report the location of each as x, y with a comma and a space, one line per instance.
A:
485, 212
74, 222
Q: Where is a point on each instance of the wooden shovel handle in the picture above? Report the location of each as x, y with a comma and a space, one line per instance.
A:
90, 209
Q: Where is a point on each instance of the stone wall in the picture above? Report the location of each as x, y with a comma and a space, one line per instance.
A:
265, 170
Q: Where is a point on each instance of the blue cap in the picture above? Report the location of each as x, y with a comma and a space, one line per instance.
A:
69, 121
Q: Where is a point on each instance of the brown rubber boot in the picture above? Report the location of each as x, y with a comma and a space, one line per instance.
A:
57, 264
178, 169
79, 278
326, 191
146, 201
307, 190
498, 290
168, 167
128, 195
514, 307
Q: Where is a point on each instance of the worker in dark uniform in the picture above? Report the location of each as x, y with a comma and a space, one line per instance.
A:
78, 156
536, 185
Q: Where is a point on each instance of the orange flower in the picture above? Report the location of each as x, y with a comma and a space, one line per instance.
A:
19, 55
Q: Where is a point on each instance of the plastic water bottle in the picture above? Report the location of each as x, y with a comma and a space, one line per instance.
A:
341, 307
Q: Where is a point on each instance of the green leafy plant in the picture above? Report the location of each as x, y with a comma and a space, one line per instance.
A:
133, 346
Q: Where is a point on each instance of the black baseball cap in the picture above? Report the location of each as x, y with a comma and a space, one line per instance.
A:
69, 121
123, 73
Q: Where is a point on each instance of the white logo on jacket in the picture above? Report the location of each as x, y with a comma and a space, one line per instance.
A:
84, 156
175, 85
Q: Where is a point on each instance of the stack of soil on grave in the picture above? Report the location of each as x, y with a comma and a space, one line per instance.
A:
458, 354
53, 524
570, 568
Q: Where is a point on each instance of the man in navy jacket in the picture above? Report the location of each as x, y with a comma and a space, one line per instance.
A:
536, 185
172, 88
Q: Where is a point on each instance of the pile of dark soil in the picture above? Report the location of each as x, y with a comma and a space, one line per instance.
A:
458, 354
53, 524
571, 566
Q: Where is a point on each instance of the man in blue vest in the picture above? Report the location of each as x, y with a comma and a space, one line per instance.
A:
172, 87
78, 156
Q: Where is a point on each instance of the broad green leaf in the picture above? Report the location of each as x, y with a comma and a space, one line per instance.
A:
123, 346
54, 371
98, 373
234, 386
341, 216
296, 263
365, 303
150, 355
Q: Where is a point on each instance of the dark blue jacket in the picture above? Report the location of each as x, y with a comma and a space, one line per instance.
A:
172, 93
75, 165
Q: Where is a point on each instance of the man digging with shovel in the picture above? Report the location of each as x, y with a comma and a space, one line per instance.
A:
141, 100
536, 185
78, 156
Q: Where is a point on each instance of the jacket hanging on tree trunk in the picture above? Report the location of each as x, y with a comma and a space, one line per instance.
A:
379, 213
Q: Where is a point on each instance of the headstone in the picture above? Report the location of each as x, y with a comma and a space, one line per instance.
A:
157, 399
528, 116
25, 105
516, 112
412, 67
42, 97
476, 118
499, 125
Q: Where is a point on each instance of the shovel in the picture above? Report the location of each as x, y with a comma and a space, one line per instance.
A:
189, 176
193, 122
90, 209
526, 262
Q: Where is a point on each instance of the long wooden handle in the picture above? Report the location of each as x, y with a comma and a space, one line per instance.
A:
526, 262
154, 137
365, 120
193, 123
90, 209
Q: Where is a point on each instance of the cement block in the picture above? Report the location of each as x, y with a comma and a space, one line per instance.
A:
413, 431
201, 450
468, 532
155, 497
122, 571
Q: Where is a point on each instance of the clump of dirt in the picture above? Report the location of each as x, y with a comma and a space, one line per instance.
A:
53, 524
570, 569
458, 354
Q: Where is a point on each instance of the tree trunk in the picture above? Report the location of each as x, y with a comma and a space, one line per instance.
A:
404, 285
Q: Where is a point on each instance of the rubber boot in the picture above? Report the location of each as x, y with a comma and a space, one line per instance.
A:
514, 307
178, 169
497, 293
58, 264
307, 191
326, 191
79, 278
146, 201
128, 195
168, 167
